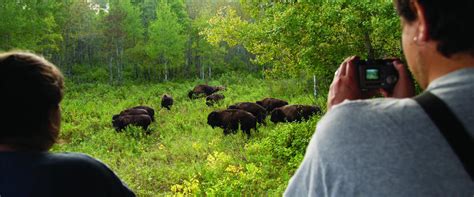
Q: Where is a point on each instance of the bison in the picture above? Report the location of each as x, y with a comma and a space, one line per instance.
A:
166, 101
230, 119
213, 98
151, 111
271, 103
122, 121
203, 90
293, 113
131, 111
255, 109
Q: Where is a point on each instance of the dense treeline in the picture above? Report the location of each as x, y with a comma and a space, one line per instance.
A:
116, 40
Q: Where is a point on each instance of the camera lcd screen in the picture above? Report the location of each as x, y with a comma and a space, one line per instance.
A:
372, 74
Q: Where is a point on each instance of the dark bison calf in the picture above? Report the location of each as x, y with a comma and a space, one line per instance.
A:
230, 119
292, 113
166, 101
271, 103
213, 99
122, 121
203, 90
255, 109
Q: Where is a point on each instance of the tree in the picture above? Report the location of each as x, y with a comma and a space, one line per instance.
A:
166, 44
292, 38
30, 25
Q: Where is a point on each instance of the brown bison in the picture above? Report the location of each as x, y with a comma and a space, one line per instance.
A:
230, 119
213, 99
203, 90
166, 101
130, 111
292, 113
255, 109
151, 111
122, 121
271, 103
138, 110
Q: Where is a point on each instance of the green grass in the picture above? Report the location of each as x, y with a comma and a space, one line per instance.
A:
184, 155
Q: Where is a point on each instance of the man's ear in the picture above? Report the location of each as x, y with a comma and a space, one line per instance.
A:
422, 31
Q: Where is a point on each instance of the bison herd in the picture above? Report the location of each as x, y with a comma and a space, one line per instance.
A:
243, 115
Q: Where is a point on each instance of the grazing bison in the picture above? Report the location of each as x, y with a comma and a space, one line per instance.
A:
230, 119
131, 111
271, 103
122, 121
151, 111
255, 109
203, 90
213, 99
292, 113
166, 101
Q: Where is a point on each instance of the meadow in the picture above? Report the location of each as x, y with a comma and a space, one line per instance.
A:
184, 155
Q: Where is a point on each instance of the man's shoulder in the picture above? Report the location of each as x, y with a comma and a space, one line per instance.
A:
371, 122
372, 112
378, 105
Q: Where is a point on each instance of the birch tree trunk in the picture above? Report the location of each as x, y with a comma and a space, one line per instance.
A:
111, 72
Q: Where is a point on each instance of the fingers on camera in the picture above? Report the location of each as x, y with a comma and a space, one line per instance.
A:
347, 67
399, 66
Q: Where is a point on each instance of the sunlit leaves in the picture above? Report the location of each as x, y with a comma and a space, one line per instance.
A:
166, 44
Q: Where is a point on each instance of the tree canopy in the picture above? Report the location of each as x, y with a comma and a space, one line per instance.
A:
113, 40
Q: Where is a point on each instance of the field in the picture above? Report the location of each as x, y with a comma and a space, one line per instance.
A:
183, 155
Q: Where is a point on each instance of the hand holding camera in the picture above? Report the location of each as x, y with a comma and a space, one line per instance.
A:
363, 79
376, 74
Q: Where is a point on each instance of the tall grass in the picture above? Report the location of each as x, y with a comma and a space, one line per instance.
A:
183, 155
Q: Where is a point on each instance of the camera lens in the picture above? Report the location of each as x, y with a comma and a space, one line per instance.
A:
391, 79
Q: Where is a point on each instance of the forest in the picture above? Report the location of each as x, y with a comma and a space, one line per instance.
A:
117, 54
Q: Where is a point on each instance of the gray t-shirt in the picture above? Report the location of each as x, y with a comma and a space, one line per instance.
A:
388, 147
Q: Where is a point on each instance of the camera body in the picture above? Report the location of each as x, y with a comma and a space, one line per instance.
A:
376, 73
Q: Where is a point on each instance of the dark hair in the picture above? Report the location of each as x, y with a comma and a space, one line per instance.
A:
31, 89
449, 22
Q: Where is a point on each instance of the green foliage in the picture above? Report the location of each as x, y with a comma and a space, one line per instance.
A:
314, 37
166, 38
183, 155
29, 25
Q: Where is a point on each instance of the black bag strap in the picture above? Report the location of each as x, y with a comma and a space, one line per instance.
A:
451, 128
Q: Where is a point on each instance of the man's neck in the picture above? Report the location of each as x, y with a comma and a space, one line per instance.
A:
441, 65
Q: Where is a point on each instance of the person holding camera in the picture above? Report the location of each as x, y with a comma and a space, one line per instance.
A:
399, 145
31, 89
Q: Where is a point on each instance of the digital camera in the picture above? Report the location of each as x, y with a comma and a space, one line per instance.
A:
377, 73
